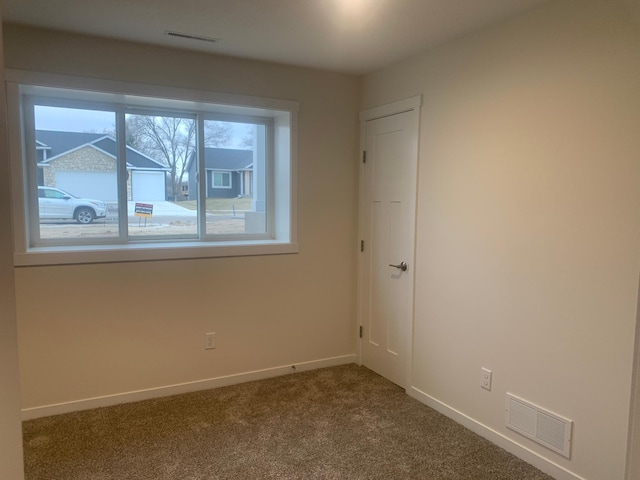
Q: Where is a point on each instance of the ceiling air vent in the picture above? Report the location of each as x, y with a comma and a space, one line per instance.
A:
190, 36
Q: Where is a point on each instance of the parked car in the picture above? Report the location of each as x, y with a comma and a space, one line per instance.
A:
57, 204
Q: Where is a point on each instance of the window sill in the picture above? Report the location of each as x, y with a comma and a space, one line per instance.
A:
140, 252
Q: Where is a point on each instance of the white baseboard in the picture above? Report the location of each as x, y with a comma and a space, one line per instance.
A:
166, 391
544, 464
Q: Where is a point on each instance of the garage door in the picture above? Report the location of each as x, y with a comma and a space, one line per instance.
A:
96, 185
147, 186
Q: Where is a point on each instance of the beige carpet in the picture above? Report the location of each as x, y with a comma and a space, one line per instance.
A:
336, 423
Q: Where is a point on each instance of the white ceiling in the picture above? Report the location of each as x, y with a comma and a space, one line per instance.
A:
351, 36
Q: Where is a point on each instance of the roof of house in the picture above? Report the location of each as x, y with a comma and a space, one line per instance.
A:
226, 159
60, 143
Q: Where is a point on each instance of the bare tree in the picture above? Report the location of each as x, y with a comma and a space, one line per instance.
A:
216, 134
247, 140
171, 141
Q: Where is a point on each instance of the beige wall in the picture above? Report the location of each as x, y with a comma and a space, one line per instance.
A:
634, 437
528, 234
528, 231
634, 434
10, 430
93, 330
633, 7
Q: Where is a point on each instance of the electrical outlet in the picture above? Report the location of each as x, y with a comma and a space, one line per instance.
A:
485, 378
211, 341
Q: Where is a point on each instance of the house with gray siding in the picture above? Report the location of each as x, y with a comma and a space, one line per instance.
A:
229, 173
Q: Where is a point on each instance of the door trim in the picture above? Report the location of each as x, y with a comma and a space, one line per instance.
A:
401, 106
386, 110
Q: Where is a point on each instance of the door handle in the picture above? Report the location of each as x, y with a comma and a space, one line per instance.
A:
403, 266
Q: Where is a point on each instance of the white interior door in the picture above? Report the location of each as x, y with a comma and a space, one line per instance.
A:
388, 199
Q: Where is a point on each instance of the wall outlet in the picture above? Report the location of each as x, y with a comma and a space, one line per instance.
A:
210, 341
485, 378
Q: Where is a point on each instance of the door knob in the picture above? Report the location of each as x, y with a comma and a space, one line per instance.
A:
403, 266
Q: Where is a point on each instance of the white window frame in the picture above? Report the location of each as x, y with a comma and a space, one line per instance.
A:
281, 173
222, 172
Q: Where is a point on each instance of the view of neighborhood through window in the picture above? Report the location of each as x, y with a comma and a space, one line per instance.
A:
76, 172
111, 171
80, 177
158, 207
234, 165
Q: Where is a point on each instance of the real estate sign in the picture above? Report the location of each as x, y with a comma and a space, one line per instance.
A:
143, 210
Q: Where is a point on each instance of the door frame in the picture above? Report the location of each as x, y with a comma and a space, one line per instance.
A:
633, 435
402, 106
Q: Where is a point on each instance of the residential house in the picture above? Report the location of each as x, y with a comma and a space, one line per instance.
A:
527, 238
229, 173
84, 164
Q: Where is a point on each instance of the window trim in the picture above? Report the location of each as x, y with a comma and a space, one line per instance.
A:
222, 172
284, 114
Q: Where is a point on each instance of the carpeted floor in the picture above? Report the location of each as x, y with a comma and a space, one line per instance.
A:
337, 423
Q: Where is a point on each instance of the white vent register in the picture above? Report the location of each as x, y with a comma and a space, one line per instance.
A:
541, 426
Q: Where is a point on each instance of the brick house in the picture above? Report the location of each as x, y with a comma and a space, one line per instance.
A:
84, 164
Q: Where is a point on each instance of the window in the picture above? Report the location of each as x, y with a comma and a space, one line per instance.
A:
113, 174
221, 179
50, 193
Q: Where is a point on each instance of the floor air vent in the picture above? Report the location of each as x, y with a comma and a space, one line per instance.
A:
542, 426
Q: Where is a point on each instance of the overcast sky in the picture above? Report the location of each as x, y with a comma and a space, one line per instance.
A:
94, 121
72, 120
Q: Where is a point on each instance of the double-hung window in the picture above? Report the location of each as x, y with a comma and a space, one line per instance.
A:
116, 172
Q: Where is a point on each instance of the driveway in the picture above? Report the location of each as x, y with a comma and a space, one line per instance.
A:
168, 219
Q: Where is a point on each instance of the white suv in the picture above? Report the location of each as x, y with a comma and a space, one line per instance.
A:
54, 203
